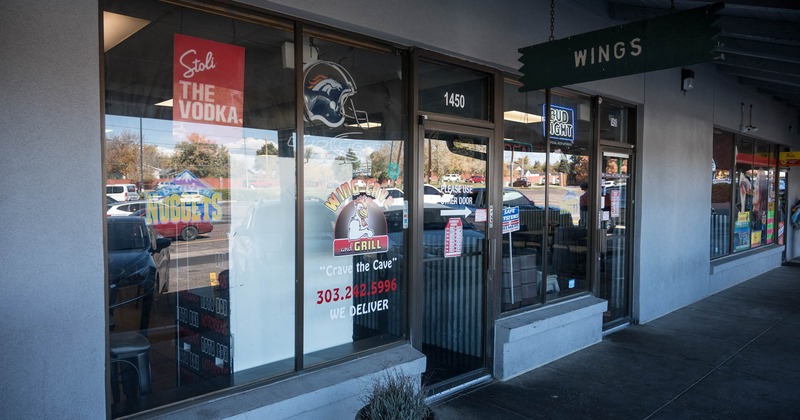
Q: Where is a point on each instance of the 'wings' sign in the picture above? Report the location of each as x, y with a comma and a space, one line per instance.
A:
673, 40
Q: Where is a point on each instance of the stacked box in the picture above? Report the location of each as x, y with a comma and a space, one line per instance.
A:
528, 279
511, 281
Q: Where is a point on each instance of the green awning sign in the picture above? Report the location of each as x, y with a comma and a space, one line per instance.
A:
664, 42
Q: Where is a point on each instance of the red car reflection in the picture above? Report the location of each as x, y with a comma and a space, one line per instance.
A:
188, 231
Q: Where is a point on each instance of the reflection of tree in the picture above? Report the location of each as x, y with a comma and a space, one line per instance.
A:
611, 166
575, 167
308, 153
523, 162
379, 164
122, 157
352, 159
439, 160
268, 149
580, 170
201, 156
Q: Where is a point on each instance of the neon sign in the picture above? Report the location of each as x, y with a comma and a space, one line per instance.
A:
561, 121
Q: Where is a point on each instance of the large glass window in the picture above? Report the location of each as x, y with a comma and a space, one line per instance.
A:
721, 194
353, 199
201, 141
743, 195
546, 260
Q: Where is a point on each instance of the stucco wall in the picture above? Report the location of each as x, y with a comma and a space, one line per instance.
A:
51, 202
674, 202
476, 30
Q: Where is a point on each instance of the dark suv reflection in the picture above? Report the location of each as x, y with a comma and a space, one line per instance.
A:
137, 256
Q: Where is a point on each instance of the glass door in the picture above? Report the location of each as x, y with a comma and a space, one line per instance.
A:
454, 255
614, 235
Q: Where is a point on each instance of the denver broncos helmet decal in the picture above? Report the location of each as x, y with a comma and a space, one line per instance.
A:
327, 92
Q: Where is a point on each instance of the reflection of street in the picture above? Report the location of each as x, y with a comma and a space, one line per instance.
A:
194, 262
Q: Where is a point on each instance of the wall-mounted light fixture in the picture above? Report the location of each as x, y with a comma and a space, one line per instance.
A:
687, 80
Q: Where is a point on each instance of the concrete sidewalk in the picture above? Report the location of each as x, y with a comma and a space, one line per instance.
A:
733, 355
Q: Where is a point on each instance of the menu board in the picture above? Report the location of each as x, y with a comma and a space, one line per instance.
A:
204, 337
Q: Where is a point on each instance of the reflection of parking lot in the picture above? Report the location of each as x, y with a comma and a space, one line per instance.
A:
193, 262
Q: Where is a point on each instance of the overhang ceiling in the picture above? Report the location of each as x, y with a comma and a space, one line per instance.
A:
761, 40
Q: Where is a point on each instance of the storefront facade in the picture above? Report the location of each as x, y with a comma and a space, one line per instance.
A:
384, 197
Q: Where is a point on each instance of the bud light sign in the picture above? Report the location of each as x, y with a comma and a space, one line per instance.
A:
562, 123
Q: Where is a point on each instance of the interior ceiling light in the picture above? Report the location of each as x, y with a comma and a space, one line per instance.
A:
117, 28
522, 117
168, 103
365, 125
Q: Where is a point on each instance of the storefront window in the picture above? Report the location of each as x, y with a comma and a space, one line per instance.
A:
201, 152
353, 199
743, 215
561, 245
721, 194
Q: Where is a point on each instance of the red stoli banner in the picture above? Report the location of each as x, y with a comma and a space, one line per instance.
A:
208, 81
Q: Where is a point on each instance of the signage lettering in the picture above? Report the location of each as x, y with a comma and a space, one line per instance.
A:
603, 52
196, 66
562, 125
455, 100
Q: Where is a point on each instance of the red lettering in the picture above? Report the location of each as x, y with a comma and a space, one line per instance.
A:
214, 324
189, 336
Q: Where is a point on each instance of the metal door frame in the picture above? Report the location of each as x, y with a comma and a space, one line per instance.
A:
599, 240
425, 123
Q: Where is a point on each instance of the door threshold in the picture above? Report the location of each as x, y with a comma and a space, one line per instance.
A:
448, 392
616, 328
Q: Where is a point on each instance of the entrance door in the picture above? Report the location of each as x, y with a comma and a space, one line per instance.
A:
615, 222
454, 255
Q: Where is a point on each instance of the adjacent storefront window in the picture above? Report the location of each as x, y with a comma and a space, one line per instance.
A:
547, 257
743, 199
200, 150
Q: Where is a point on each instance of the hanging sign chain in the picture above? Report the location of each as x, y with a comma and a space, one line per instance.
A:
552, 19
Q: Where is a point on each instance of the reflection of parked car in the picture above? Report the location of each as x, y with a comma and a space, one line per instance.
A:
188, 231
521, 182
166, 184
394, 192
397, 198
125, 208
476, 179
531, 216
137, 256
433, 195
122, 192
191, 197
451, 178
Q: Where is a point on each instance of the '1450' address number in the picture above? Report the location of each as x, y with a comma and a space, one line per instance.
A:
455, 100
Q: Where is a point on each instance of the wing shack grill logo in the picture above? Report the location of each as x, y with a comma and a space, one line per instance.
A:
361, 225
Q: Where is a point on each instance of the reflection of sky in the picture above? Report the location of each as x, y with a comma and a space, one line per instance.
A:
165, 136
325, 149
